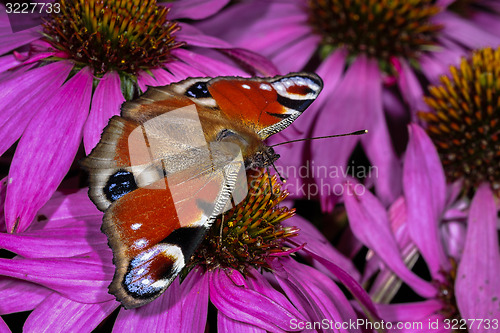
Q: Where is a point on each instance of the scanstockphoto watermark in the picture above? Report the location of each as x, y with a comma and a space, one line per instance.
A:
360, 323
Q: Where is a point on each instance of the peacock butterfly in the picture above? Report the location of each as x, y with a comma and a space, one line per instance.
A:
174, 160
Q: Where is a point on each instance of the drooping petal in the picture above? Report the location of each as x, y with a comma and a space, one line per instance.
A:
334, 120
352, 285
207, 65
261, 65
23, 95
476, 287
319, 290
302, 50
17, 295
226, 324
411, 89
413, 317
425, 192
144, 80
65, 209
46, 150
68, 241
369, 222
255, 281
106, 102
386, 172
59, 314
163, 312
83, 279
242, 304
195, 9
3, 327
194, 298
10, 41
317, 242
465, 32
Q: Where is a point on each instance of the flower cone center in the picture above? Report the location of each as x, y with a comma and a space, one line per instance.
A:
113, 35
379, 28
465, 122
249, 233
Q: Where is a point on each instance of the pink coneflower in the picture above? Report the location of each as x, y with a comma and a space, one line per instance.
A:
69, 76
63, 267
361, 47
463, 258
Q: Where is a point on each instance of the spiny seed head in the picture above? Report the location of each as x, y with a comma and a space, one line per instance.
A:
113, 35
465, 121
249, 233
379, 28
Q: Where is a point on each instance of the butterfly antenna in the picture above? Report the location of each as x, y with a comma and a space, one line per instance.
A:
322, 137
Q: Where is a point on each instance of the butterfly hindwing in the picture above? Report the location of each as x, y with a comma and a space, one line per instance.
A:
149, 255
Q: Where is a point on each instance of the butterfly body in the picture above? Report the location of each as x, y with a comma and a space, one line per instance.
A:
174, 160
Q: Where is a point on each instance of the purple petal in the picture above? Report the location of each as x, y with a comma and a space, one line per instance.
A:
255, 281
261, 64
19, 296
369, 222
106, 102
465, 32
409, 311
298, 54
476, 288
59, 314
64, 209
74, 239
164, 312
22, 96
163, 77
82, 279
377, 142
226, 324
182, 71
3, 327
258, 25
193, 36
318, 243
320, 291
352, 285
454, 233
194, 302
144, 80
11, 41
242, 304
207, 65
411, 89
425, 192
46, 150
195, 9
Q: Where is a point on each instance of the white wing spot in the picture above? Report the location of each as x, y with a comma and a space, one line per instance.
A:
145, 281
246, 86
135, 226
265, 86
140, 243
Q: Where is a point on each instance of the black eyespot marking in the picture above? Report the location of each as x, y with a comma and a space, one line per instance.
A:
295, 104
198, 90
119, 184
187, 239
